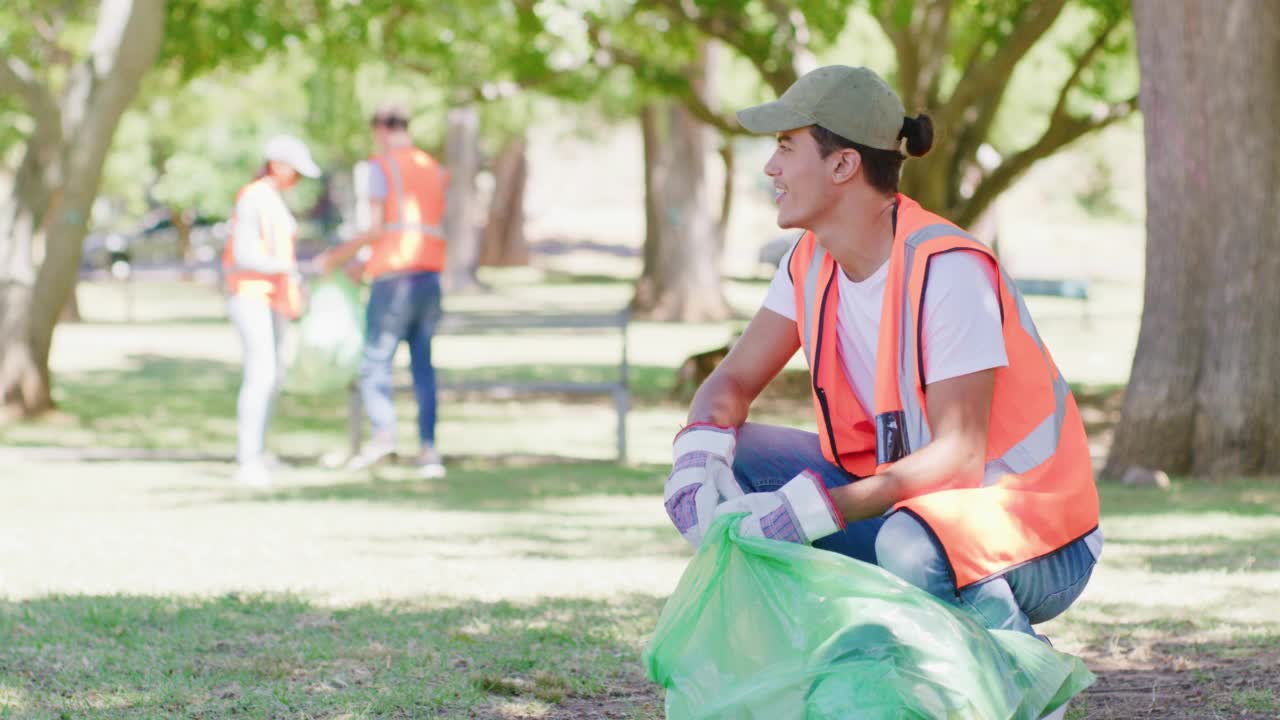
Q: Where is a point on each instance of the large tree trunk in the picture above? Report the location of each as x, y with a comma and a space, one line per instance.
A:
681, 279
43, 223
504, 241
462, 158
1203, 396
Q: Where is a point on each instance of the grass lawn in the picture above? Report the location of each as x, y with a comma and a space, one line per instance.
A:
149, 589
522, 586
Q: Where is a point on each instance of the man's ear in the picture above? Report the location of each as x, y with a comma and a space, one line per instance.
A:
847, 162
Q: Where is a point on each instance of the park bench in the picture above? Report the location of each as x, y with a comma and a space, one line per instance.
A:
1070, 289
511, 326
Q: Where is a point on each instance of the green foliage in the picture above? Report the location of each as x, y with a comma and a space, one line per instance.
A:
201, 35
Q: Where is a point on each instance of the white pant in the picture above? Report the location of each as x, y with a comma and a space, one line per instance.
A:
262, 335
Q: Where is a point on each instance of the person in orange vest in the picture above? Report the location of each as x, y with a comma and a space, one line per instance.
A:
264, 293
403, 252
949, 449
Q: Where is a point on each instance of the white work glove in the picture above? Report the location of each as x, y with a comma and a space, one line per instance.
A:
701, 476
800, 511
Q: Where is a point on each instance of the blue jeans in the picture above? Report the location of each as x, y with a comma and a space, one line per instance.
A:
768, 456
401, 307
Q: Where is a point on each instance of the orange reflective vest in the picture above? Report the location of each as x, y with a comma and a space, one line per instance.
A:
412, 214
277, 233
1037, 493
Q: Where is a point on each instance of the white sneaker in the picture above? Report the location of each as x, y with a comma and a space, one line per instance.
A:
254, 475
373, 452
430, 464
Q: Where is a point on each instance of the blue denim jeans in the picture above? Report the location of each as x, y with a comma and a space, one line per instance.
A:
401, 307
768, 456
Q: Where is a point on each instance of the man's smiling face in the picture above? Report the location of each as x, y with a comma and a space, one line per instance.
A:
801, 177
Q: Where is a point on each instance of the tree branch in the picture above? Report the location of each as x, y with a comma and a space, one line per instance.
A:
918, 78
982, 78
1082, 62
684, 90
974, 134
1063, 130
731, 30
17, 78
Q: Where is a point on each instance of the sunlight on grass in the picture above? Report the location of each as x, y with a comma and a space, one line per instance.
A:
262, 656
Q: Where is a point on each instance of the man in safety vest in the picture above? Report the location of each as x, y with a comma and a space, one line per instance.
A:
403, 252
949, 449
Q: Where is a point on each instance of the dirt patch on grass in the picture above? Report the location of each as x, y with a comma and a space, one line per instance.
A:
1185, 682
637, 699
629, 698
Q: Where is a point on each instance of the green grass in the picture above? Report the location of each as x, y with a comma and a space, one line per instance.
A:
254, 656
197, 647
1185, 497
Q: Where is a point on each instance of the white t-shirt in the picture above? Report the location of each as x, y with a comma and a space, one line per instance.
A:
261, 200
962, 330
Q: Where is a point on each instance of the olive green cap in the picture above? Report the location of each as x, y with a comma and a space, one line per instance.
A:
852, 102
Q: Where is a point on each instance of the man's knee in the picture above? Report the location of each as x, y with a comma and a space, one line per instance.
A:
905, 547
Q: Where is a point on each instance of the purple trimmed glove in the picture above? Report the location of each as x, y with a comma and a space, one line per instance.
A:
800, 511
700, 478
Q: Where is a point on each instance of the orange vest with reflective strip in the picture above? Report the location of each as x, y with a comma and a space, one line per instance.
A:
412, 214
1037, 493
277, 233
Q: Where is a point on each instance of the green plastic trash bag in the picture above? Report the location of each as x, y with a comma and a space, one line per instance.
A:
765, 630
331, 336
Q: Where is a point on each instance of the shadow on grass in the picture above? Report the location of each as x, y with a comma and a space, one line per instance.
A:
486, 486
1255, 553
158, 402
255, 656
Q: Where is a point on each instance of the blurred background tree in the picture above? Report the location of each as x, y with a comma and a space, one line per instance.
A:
73, 72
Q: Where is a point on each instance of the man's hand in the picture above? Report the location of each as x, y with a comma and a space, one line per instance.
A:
701, 475
800, 511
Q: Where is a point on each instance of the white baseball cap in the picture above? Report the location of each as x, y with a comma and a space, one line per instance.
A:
292, 152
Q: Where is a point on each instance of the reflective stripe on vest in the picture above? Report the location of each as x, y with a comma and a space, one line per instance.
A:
1039, 445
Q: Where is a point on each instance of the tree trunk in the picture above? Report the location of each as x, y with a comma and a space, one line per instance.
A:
24, 383
504, 242
71, 310
681, 279
42, 228
1202, 397
182, 221
462, 158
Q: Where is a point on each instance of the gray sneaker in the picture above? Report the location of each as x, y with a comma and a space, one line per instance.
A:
430, 464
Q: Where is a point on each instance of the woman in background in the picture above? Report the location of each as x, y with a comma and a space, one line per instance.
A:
264, 294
